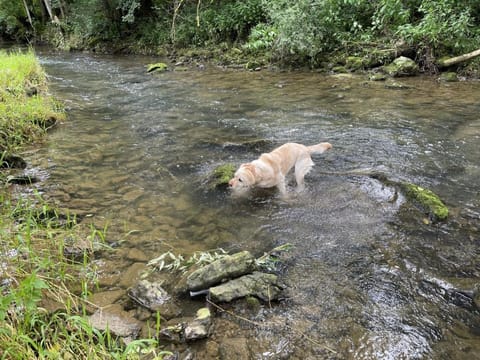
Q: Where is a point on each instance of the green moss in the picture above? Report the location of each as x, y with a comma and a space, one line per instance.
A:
157, 67
427, 200
222, 174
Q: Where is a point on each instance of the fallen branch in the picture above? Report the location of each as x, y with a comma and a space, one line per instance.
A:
458, 59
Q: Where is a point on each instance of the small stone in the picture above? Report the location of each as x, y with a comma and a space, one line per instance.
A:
117, 321
174, 333
199, 328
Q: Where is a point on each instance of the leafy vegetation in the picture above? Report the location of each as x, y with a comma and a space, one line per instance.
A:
303, 31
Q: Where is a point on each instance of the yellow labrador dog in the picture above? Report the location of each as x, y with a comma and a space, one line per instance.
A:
270, 169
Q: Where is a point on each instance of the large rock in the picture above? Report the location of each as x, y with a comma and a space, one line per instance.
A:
228, 267
152, 296
402, 66
262, 285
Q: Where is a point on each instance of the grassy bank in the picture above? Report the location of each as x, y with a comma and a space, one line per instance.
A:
25, 109
43, 286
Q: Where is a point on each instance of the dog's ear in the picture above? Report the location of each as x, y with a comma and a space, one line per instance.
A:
250, 168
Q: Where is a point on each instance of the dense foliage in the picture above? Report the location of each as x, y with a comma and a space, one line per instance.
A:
302, 30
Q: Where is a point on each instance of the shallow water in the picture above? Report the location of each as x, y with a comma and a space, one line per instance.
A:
368, 278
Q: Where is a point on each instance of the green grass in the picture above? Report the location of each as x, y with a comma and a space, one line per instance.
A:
25, 109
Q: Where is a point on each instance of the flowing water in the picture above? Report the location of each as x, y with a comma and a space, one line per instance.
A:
368, 278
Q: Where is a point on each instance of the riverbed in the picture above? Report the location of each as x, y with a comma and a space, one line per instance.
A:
369, 277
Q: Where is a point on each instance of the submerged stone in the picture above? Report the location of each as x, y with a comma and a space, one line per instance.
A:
234, 348
377, 77
262, 285
426, 199
228, 267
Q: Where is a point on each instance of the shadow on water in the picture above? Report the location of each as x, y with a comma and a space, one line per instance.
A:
367, 279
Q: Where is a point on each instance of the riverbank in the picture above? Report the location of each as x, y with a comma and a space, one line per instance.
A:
372, 57
45, 272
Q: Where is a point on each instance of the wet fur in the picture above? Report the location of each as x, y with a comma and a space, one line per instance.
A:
270, 169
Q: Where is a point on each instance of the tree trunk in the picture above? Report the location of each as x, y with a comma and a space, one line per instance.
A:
458, 59
49, 8
28, 13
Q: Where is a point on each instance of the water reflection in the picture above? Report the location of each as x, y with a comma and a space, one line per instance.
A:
136, 148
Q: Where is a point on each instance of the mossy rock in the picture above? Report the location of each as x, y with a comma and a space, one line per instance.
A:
221, 175
377, 77
157, 67
427, 200
354, 62
402, 66
449, 76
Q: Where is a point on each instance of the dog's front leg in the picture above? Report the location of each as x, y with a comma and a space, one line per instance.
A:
282, 188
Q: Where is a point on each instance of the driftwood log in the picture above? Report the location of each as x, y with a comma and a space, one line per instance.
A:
458, 59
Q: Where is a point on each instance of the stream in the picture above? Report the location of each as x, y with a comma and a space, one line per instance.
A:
368, 278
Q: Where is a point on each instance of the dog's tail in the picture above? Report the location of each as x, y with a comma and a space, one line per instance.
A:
319, 148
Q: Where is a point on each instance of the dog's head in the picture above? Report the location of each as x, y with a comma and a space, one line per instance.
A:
243, 179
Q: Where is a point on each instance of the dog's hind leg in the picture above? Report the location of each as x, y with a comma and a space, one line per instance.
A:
302, 167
